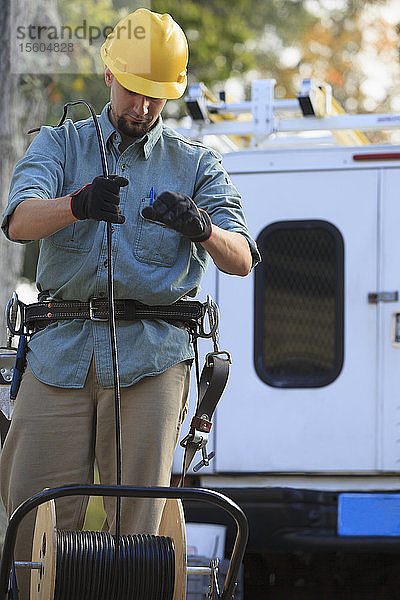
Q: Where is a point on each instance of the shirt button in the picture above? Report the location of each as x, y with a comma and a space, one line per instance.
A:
105, 263
123, 167
101, 294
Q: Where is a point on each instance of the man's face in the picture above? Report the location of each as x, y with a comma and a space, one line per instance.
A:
131, 113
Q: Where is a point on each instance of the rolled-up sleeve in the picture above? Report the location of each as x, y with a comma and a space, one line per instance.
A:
39, 174
216, 194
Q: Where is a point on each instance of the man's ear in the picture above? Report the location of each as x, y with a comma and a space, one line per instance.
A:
108, 76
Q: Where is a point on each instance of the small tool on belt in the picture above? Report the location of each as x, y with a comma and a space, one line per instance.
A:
12, 363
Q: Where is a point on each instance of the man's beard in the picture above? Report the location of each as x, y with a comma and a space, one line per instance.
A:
132, 129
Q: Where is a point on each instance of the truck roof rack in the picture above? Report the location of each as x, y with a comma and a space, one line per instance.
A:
264, 120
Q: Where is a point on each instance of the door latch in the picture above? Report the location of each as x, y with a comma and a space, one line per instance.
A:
376, 297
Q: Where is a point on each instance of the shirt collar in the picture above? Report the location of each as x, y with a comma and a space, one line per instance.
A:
152, 137
148, 141
106, 126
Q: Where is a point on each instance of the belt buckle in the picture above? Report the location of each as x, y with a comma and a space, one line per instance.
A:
92, 309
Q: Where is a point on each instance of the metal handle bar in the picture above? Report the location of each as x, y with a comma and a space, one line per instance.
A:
137, 492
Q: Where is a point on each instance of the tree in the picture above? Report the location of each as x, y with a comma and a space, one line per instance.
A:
10, 144
343, 46
23, 103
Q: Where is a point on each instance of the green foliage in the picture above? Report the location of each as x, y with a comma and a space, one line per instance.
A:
232, 38
217, 33
85, 85
224, 40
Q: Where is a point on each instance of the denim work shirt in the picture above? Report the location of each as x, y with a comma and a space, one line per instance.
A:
152, 264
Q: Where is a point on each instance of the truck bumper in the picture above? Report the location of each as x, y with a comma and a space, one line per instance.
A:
292, 520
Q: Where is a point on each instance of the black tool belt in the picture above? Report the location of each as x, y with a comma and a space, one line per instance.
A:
40, 314
192, 314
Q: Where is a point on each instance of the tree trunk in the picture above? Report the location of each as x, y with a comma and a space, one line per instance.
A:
10, 254
19, 111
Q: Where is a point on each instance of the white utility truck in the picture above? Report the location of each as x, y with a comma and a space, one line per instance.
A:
307, 434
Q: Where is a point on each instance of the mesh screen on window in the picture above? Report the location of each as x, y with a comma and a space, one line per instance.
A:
299, 300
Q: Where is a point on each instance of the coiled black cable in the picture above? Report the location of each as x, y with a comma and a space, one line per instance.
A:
86, 567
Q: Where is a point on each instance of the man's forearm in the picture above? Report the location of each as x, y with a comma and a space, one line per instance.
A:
230, 251
35, 218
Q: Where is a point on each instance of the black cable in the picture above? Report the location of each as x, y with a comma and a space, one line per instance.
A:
111, 312
94, 565
86, 566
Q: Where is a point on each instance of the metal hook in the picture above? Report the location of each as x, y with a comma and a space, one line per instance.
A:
13, 308
214, 318
213, 590
212, 312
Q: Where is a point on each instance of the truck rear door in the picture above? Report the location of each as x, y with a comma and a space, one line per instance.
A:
304, 340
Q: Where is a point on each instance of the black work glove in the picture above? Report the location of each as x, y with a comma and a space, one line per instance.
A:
179, 212
99, 200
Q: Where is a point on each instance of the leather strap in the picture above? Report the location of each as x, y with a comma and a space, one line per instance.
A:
97, 309
213, 380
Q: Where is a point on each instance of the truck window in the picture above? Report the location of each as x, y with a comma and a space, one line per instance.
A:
299, 304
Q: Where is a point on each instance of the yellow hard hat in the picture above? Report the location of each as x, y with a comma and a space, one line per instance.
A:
147, 53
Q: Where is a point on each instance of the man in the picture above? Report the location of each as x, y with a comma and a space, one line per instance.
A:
63, 417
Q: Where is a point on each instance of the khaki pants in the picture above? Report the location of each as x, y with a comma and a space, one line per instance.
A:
56, 434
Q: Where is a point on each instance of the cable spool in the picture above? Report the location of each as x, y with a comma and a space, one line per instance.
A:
81, 564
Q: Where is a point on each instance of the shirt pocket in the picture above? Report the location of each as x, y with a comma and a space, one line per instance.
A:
155, 243
77, 237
